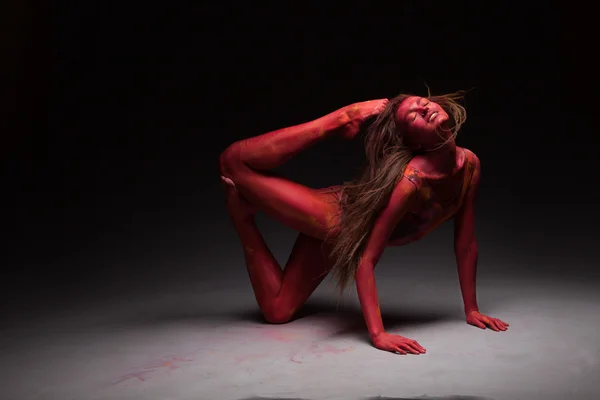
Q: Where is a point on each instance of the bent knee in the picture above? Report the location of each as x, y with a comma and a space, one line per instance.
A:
230, 161
278, 315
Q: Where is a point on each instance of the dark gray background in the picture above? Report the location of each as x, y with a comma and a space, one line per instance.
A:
116, 114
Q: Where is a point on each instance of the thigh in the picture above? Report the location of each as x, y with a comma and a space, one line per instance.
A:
306, 210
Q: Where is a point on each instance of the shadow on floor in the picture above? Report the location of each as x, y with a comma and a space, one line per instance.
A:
393, 318
348, 318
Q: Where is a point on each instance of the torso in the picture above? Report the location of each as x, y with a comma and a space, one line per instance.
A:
438, 198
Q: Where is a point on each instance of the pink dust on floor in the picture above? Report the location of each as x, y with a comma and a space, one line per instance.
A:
306, 343
272, 337
282, 336
292, 335
250, 357
305, 340
146, 371
317, 350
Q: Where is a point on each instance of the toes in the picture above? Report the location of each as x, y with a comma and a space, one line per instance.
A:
227, 181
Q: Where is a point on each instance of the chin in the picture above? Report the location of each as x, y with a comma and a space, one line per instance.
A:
441, 124
442, 120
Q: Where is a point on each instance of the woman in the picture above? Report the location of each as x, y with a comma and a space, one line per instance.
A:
415, 179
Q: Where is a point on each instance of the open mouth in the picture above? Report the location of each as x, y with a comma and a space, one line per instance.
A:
432, 116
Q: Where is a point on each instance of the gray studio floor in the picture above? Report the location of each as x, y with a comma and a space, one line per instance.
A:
203, 341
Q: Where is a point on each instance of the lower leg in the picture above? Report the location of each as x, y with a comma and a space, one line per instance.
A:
263, 269
270, 150
278, 293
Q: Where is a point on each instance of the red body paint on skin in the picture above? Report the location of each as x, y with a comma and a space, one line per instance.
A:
422, 200
430, 211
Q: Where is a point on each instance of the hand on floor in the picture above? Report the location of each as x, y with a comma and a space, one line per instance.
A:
479, 320
397, 344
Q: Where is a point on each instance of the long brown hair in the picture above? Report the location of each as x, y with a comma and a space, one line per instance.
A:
387, 156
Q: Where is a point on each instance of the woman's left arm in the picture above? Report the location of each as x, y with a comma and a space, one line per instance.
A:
466, 252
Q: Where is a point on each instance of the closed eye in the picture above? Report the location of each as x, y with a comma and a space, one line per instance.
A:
422, 113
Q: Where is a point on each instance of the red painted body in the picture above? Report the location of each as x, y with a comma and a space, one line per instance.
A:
432, 191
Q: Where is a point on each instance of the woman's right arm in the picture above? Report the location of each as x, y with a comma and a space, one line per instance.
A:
402, 196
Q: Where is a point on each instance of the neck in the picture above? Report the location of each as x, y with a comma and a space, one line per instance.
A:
443, 159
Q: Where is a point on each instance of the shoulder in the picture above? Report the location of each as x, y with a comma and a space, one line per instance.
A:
472, 173
413, 174
406, 187
401, 198
472, 165
471, 159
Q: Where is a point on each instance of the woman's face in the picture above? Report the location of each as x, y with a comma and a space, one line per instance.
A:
423, 120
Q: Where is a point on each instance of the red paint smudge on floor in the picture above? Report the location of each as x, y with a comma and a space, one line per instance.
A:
144, 372
249, 357
282, 336
318, 351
